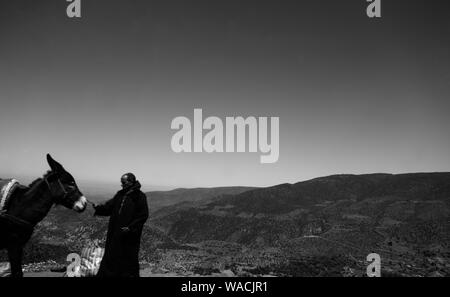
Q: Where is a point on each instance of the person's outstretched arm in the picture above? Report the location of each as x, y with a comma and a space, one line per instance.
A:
104, 209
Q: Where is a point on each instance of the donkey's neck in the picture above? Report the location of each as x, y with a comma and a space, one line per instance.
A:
34, 204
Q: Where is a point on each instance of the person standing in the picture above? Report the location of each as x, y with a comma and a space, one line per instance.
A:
128, 212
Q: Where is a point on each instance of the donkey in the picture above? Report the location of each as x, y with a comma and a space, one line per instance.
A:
28, 206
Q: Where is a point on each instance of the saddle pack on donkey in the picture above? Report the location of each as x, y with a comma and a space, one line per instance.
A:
7, 187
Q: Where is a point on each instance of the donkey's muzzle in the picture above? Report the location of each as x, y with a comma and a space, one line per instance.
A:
80, 205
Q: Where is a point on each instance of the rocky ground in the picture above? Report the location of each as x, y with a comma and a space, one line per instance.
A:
215, 258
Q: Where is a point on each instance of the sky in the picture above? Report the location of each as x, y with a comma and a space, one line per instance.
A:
353, 94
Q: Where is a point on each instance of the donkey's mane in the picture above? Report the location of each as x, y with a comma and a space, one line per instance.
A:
38, 180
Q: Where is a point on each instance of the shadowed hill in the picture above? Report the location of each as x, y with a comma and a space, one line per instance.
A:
287, 197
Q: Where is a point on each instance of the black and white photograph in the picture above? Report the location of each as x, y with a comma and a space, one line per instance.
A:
228, 139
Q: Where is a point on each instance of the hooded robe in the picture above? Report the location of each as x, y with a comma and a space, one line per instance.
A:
128, 208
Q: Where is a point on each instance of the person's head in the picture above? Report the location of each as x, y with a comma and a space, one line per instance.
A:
127, 180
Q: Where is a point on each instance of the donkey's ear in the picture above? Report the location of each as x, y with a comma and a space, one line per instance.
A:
55, 166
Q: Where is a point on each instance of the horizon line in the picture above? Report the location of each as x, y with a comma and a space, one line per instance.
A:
164, 188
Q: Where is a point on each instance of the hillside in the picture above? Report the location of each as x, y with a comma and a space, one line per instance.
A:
401, 216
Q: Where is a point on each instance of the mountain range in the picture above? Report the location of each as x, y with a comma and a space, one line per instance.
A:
401, 216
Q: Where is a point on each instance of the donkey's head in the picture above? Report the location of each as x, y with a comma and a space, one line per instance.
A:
63, 188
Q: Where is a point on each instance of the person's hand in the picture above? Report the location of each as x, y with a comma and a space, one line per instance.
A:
94, 206
125, 229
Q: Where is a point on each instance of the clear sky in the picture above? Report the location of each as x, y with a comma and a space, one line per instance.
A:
353, 94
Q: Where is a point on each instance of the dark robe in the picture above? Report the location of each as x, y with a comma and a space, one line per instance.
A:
129, 209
